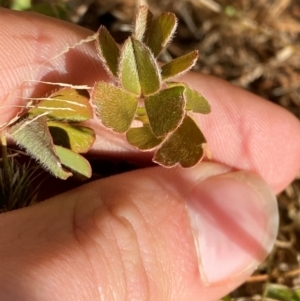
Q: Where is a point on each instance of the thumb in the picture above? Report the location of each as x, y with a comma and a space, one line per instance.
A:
150, 234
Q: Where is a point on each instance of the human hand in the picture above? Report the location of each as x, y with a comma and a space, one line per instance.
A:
150, 234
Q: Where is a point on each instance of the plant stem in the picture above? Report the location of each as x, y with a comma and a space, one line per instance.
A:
5, 164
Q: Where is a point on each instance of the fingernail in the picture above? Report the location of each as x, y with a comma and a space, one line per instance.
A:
234, 219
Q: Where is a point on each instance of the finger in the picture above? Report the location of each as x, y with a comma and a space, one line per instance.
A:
243, 131
246, 132
161, 235
36, 47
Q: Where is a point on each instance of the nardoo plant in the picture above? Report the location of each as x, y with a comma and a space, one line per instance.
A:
142, 102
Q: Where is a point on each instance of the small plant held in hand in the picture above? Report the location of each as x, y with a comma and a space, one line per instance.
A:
49, 132
144, 92
143, 102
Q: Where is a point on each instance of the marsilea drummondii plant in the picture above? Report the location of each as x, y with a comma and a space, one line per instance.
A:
142, 102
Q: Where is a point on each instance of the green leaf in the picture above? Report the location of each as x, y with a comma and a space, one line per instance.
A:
161, 32
194, 100
33, 135
108, 51
165, 110
139, 71
142, 23
20, 5
183, 147
115, 107
74, 162
281, 292
67, 104
141, 115
147, 67
179, 65
75, 137
128, 72
142, 138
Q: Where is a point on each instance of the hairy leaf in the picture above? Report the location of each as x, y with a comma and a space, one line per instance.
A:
67, 104
77, 138
115, 107
142, 138
147, 67
179, 65
128, 72
108, 51
33, 135
165, 110
161, 32
142, 24
139, 71
184, 146
74, 162
194, 100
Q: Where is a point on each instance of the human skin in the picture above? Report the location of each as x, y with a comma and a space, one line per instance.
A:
154, 233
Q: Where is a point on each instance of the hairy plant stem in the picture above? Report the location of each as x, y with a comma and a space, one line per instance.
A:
5, 164
19, 181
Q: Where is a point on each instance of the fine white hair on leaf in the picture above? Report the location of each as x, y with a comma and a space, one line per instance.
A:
79, 87
33, 135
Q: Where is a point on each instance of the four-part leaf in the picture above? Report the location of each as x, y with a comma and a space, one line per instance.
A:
141, 95
162, 111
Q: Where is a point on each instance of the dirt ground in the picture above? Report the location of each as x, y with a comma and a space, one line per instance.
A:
254, 44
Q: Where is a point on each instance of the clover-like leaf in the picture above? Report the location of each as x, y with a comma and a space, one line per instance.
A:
74, 162
165, 110
161, 32
115, 107
33, 135
108, 50
184, 146
194, 100
138, 70
67, 104
179, 66
142, 138
142, 24
77, 138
